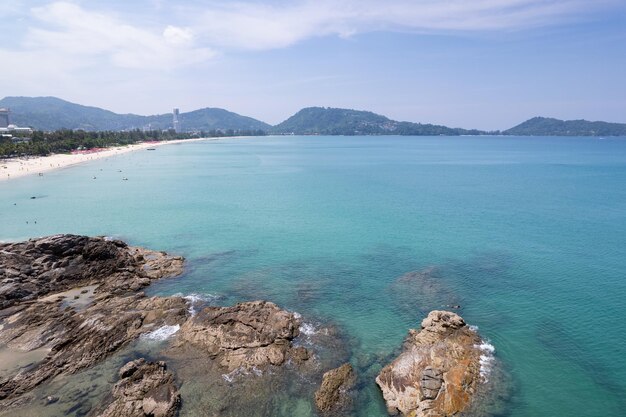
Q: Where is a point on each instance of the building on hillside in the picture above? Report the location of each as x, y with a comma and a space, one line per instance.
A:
176, 120
7, 128
5, 120
15, 129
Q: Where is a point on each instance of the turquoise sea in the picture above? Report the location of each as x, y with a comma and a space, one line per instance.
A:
527, 235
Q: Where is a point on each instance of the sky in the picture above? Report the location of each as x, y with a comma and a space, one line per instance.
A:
486, 64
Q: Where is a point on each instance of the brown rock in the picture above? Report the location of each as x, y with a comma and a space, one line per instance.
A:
62, 262
252, 334
37, 314
332, 398
80, 340
438, 371
299, 354
145, 389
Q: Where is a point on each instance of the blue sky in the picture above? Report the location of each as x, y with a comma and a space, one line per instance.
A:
486, 64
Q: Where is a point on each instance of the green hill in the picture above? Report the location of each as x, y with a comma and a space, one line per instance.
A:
51, 113
331, 121
214, 118
543, 126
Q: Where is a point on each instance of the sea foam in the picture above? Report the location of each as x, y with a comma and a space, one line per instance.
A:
308, 329
195, 299
162, 333
232, 375
486, 359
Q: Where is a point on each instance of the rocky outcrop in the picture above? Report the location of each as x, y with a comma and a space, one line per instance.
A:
333, 397
40, 315
248, 335
145, 389
80, 340
438, 371
38, 267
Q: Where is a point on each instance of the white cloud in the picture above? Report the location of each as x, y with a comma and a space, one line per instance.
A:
71, 31
254, 25
178, 36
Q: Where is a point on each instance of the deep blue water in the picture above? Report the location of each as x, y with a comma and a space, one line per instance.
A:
528, 235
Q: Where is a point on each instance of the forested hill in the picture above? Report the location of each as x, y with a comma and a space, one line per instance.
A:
332, 121
543, 126
51, 113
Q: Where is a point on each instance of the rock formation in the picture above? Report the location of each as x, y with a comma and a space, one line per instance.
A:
37, 267
70, 302
438, 371
333, 397
145, 389
36, 312
247, 335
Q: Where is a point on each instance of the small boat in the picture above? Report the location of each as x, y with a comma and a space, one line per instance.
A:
151, 149
124, 179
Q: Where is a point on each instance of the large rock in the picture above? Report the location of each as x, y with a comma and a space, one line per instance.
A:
100, 313
247, 335
38, 267
438, 371
145, 389
80, 340
333, 396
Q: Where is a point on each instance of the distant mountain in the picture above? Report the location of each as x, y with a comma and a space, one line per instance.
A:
51, 113
331, 121
543, 126
214, 118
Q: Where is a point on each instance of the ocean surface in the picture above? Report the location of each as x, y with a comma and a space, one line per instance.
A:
526, 235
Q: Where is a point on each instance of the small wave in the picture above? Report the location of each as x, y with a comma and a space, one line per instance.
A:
308, 329
162, 333
473, 328
195, 299
230, 377
486, 359
198, 298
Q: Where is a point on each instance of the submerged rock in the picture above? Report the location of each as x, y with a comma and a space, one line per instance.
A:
437, 373
247, 335
333, 397
145, 389
423, 290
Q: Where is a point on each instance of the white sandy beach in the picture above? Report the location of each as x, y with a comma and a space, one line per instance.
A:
19, 167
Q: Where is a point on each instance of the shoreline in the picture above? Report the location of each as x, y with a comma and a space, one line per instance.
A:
20, 167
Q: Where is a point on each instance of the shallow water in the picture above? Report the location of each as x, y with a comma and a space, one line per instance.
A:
527, 235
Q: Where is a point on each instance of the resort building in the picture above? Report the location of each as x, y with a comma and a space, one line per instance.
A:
176, 121
4, 117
